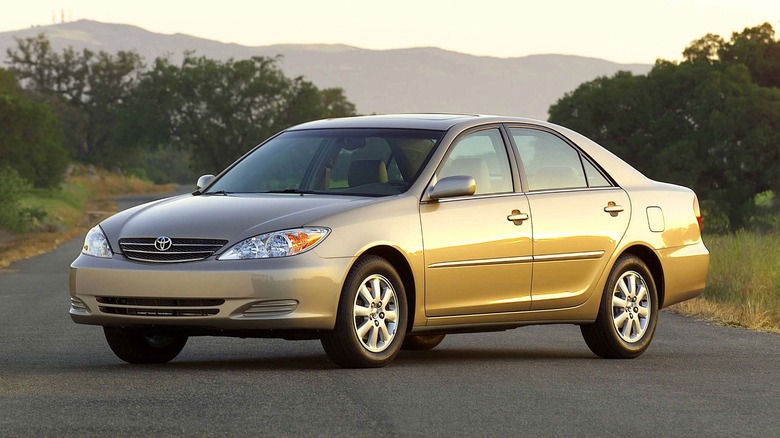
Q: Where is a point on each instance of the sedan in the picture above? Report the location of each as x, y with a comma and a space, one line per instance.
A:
381, 233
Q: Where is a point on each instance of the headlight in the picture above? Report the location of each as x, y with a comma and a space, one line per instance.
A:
96, 244
277, 244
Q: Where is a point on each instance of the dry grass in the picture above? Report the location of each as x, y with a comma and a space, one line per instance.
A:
726, 314
83, 200
743, 288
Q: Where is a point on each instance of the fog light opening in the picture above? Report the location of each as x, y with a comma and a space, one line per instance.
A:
78, 306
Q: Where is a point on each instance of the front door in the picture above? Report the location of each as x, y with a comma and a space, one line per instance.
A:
478, 252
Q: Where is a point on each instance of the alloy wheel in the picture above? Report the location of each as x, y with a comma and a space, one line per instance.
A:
375, 313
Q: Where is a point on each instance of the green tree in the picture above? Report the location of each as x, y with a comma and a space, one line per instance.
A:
86, 89
756, 49
113, 112
30, 139
711, 122
218, 110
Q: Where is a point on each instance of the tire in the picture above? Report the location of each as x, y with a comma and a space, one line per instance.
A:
628, 312
421, 342
372, 316
133, 347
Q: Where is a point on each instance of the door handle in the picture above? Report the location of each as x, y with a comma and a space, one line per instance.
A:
613, 209
517, 217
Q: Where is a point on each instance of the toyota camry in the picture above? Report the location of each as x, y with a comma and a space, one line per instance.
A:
380, 233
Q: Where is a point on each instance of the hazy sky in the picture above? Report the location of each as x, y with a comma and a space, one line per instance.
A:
617, 30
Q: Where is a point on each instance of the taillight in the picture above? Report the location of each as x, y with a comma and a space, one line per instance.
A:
697, 211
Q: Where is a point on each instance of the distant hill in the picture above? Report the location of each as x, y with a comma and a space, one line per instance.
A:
377, 81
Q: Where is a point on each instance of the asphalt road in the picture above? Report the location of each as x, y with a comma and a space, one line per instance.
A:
61, 379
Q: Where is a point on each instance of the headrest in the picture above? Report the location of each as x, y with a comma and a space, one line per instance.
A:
366, 172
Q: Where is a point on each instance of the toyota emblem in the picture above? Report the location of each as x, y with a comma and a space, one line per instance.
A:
163, 243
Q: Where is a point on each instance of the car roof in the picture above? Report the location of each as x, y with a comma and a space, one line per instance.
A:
435, 121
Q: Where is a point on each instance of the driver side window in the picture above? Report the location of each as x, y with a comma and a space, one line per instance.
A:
480, 155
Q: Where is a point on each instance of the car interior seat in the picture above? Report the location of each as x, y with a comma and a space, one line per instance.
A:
363, 172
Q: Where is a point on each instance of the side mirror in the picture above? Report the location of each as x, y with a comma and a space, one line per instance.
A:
453, 186
203, 181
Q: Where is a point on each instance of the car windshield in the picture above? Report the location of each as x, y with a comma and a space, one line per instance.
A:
369, 162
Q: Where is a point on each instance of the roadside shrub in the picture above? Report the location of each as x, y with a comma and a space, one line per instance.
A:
14, 187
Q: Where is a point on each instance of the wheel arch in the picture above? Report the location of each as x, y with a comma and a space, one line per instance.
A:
404, 269
650, 258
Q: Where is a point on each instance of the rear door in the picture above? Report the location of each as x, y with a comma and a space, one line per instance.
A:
578, 214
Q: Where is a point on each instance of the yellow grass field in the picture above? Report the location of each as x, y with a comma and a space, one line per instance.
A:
743, 288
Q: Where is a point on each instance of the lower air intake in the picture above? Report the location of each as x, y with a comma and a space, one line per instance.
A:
155, 307
271, 308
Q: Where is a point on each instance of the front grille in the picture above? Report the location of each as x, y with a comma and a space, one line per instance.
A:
132, 311
181, 250
131, 306
161, 302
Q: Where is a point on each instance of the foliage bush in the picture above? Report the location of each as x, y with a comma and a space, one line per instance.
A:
12, 188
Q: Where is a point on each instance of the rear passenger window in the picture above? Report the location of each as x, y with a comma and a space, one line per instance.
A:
552, 164
595, 178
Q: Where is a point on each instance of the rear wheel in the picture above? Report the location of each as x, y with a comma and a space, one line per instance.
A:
133, 347
422, 342
371, 320
628, 313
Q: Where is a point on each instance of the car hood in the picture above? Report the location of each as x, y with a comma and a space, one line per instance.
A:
230, 217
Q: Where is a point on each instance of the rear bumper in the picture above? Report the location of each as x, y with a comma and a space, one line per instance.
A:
299, 292
685, 272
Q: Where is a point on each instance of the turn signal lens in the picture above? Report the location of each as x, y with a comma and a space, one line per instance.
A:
277, 244
697, 212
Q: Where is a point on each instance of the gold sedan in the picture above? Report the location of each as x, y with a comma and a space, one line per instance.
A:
381, 233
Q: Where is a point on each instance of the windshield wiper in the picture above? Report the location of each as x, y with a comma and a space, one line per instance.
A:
218, 192
297, 191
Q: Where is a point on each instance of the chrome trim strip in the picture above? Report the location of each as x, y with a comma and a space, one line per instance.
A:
141, 251
484, 262
164, 261
573, 189
569, 256
215, 245
589, 255
466, 198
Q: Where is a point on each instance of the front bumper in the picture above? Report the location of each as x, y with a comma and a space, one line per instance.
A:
292, 293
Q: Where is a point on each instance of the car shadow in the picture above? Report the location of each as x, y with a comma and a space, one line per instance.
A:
487, 355
411, 359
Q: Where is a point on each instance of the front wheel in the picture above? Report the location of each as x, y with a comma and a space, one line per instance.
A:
133, 347
628, 313
371, 320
